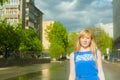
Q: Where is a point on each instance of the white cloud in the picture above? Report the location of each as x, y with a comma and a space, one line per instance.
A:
65, 5
101, 3
76, 13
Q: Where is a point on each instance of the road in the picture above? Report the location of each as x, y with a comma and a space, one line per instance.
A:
52, 71
111, 70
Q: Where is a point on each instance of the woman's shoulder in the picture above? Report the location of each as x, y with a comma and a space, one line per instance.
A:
98, 53
72, 53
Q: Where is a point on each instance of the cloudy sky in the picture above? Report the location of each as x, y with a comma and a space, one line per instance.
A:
76, 14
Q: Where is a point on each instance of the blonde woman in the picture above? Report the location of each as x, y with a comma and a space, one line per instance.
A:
85, 62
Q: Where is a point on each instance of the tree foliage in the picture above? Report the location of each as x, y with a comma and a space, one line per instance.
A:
72, 42
3, 1
102, 39
30, 41
56, 50
14, 38
9, 39
58, 38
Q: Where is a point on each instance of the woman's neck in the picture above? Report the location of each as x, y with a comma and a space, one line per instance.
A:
84, 49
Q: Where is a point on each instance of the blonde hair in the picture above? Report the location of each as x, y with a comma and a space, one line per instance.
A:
92, 45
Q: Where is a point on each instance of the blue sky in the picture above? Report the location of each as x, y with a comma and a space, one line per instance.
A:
76, 14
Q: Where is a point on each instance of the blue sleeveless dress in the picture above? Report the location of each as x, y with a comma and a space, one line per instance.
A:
85, 66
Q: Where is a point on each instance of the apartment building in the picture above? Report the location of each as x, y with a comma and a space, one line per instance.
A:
45, 41
116, 28
23, 11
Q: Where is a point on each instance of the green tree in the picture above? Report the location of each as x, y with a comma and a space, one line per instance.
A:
3, 1
105, 41
36, 45
58, 38
9, 39
13, 38
72, 42
102, 39
56, 50
30, 41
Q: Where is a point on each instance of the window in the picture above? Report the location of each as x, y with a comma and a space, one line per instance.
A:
13, 2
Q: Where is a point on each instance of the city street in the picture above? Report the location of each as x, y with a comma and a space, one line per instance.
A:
52, 71
34, 32
111, 70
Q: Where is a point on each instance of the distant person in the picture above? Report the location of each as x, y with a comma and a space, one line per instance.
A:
85, 62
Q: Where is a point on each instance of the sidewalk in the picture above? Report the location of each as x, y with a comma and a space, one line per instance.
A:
111, 62
111, 70
9, 72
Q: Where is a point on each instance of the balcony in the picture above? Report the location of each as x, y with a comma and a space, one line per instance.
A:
10, 15
12, 6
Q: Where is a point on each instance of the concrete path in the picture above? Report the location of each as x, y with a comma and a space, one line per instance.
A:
9, 72
111, 70
54, 71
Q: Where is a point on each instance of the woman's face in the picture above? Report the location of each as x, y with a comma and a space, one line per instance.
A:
85, 41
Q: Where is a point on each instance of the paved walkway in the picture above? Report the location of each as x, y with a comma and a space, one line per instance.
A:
9, 72
111, 70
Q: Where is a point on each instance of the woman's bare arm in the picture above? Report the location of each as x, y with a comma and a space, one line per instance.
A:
100, 68
72, 67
